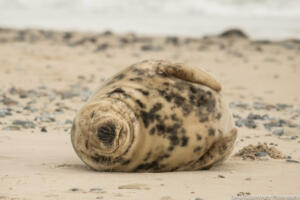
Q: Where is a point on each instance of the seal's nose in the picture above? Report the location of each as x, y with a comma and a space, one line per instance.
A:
107, 133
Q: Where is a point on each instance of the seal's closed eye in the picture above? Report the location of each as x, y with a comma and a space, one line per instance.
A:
106, 133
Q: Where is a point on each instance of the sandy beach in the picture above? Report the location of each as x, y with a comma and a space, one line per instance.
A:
46, 76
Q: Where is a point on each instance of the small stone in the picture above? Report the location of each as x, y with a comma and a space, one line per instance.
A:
68, 121
278, 132
24, 123
96, 190
149, 47
246, 122
172, 40
292, 161
99, 197
283, 106
74, 189
102, 47
11, 128
4, 112
68, 94
239, 105
261, 154
221, 176
45, 118
275, 123
43, 129
8, 101
197, 198
259, 105
236, 116
243, 194
234, 33
252, 116
248, 179
266, 117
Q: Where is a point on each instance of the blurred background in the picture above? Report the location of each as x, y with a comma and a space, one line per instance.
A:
260, 19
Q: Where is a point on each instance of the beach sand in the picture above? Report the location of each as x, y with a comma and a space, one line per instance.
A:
46, 76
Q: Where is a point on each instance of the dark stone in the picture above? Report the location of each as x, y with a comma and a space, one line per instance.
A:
43, 129
252, 116
246, 122
275, 123
149, 47
102, 47
292, 161
261, 154
172, 40
278, 132
24, 123
234, 33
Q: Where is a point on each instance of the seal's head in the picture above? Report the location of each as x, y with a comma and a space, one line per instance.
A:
103, 133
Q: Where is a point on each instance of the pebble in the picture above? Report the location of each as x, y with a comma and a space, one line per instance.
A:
31, 109
24, 123
46, 117
252, 116
275, 123
221, 176
243, 194
283, 106
43, 129
4, 112
149, 47
259, 105
292, 161
102, 47
8, 101
239, 105
68, 94
172, 40
236, 116
85, 94
234, 33
96, 190
68, 121
11, 128
246, 122
261, 154
74, 189
278, 132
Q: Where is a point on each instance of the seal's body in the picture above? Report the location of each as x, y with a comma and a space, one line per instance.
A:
155, 116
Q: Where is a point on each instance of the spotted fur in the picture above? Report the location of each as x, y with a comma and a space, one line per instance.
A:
155, 116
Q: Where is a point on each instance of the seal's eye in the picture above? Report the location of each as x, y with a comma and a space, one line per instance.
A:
107, 133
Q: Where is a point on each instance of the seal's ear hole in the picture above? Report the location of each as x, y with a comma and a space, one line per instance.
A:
107, 133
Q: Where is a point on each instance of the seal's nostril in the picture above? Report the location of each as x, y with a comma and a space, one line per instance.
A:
107, 133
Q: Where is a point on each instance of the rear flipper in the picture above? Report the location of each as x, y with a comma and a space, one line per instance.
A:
219, 151
187, 73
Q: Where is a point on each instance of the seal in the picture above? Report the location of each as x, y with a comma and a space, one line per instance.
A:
155, 116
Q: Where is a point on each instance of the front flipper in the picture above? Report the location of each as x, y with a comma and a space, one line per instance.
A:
187, 73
